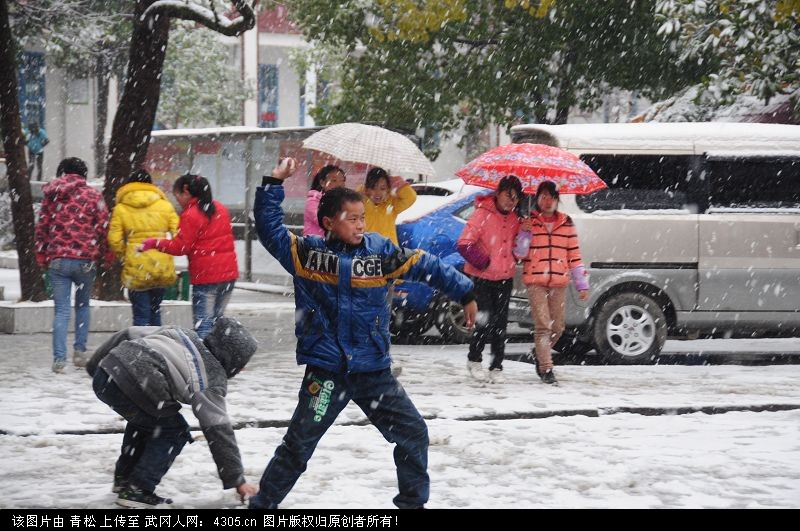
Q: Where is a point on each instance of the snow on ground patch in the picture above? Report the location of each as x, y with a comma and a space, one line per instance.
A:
731, 460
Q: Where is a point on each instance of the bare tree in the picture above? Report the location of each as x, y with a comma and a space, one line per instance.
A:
136, 113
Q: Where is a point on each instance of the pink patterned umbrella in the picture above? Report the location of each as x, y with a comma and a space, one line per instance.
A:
532, 163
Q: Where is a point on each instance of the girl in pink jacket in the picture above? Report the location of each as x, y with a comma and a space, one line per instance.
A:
487, 244
327, 178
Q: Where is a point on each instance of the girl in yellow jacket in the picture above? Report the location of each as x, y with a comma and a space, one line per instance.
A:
143, 211
386, 198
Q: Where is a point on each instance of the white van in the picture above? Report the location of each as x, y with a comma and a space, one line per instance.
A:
698, 233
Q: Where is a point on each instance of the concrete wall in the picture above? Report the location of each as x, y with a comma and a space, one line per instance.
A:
70, 125
31, 318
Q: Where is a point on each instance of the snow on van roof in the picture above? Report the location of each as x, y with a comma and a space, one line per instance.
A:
691, 137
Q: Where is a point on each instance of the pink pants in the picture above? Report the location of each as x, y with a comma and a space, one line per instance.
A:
547, 309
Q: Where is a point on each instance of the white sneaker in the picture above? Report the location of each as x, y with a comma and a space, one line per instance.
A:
496, 376
476, 370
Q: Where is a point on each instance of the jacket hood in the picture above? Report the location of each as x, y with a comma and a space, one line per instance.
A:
232, 345
314, 193
139, 195
487, 201
65, 186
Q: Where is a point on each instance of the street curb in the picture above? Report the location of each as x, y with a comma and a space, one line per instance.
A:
534, 415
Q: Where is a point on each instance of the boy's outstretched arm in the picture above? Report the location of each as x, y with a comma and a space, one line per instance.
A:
419, 266
272, 233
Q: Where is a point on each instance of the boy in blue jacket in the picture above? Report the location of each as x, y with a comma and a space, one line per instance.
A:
341, 284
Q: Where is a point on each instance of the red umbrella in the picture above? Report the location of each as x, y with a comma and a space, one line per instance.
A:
532, 164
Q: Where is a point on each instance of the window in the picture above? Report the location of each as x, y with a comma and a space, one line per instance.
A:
465, 212
31, 87
644, 182
425, 189
302, 103
754, 182
268, 95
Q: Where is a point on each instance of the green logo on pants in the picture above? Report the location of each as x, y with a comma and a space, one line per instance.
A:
322, 399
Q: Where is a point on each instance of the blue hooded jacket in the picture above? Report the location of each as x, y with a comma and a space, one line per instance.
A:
342, 311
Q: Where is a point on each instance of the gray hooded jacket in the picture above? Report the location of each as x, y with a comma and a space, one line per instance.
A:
160, 368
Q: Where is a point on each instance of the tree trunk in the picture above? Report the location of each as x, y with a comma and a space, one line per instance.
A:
103, 75
130, 134
562, 112
566, 93
30, 276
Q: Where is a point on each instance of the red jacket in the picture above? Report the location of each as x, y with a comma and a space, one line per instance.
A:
72, 222
208, 243
488, 240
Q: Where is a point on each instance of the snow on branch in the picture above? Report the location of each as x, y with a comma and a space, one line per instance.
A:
186, 10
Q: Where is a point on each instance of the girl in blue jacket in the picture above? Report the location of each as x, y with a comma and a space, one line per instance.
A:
341, 284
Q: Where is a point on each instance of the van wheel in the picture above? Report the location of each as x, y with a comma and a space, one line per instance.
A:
630, 328
450, 321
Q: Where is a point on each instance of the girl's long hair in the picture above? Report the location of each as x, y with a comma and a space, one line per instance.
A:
199, 188
322, 174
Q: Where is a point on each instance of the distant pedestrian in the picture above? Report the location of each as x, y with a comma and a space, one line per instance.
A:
36, 139
70, 240
327, 178
548, 246
205, 236
143, 211
145, 373
487, 245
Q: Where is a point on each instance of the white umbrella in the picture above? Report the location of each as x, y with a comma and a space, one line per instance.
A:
371, 145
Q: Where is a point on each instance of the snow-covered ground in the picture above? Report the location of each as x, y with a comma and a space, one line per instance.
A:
486, 449
518, 444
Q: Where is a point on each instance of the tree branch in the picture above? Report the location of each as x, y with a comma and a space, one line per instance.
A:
476, 44
202, 15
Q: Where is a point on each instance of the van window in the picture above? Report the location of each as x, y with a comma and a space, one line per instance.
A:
642, 182
754, 182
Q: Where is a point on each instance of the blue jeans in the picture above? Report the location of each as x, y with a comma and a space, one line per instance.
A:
150, 444
146, 306
208, 304
323, 395
63, 273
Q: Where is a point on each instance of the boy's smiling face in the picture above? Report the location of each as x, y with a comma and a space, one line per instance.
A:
348, 224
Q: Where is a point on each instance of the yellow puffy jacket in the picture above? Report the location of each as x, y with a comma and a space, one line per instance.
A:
382, 218
142, 212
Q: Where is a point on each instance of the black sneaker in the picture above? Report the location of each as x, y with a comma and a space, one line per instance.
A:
136, 498
548, 377
120, 484
536, 363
